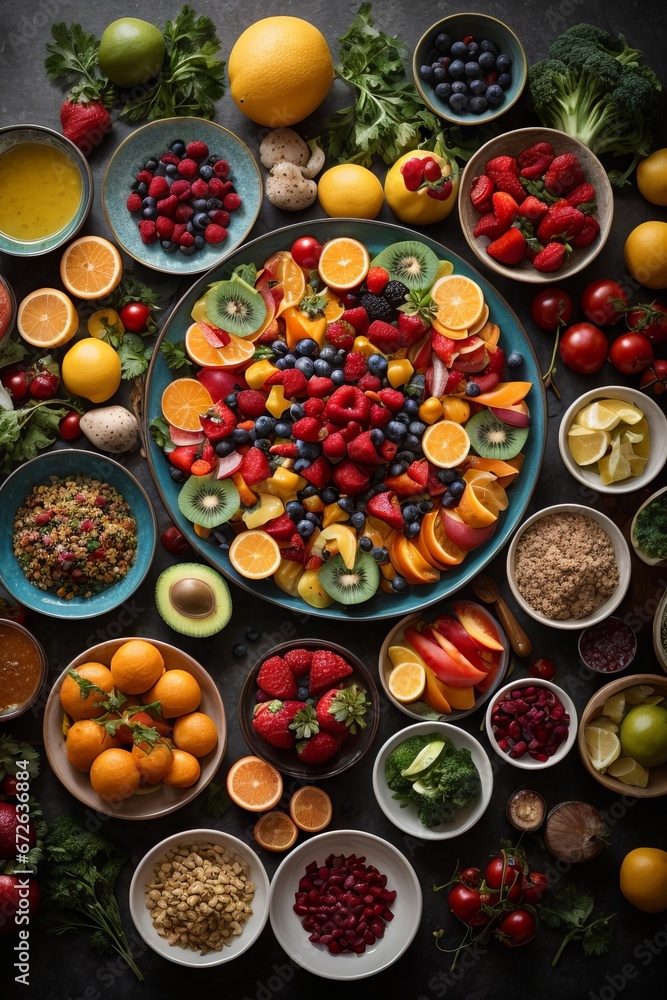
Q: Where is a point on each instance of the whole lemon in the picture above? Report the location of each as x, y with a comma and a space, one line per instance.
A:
417, 208
652, 177
646, 254
91, 369
350, 191
131, 51
280, 70
643, 879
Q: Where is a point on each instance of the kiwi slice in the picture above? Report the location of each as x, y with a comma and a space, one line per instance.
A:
236, 307
193, 599
350, 586
410, 262
493, 438
208, 501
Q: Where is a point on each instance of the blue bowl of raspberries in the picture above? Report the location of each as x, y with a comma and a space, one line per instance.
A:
469, 68
309, 707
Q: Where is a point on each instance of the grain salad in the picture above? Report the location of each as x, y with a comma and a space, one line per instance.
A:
74, 536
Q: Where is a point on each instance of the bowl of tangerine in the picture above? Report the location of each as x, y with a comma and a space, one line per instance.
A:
134, 728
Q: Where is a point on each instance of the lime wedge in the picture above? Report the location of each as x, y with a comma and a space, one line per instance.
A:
596, 417
614, 707
602, 747
587, 446
626, 411
425, 759
603, 722
629, 771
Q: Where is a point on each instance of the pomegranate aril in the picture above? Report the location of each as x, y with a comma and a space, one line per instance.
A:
305, 884
359, 947
542, 757
518, 750
377, 910
389, 895
514, 730
335, 948
300, 910
377, 927
369, 937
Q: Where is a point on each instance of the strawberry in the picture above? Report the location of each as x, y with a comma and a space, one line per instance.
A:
341, 333
307, 429
272, 719
496, 363
411, 327
412, 172
551, 258
255, 467
505, 208
349, 478
510, 248
533, 209
319, 386
502, 165
218, 421
276, 678
377, 280
342, 710
358, 320
334, 446
384, 336
294, 382
562, 220
251, 403
392, 399
455, 384
480, 193
286, 450
419, 472
320, 747
386, 507
348, 403
279, 527
326, 669
583, 194
183, 457
509, 182
536, 160
85, 123
588, 233
564, 175
361, 449
489, 226
298, 660
403, 485
355, 366
388, 450
293, 553
319, 472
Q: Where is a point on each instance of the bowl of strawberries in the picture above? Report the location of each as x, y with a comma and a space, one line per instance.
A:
535, 205
309, 707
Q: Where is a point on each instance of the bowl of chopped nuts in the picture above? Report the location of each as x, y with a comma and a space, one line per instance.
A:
572, 584
200, 898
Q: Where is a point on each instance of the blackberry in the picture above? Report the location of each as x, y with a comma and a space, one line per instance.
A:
394, 292
377, 307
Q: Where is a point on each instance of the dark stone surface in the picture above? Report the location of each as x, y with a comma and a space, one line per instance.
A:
65, 968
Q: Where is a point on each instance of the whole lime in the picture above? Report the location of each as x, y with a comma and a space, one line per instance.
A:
131, 51
644, 735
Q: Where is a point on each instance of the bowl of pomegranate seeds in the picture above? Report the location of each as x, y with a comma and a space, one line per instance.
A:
531, 723
535, 205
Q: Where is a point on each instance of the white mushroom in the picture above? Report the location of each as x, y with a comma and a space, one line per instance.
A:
283, 144
287, 188
110, 428
316, 161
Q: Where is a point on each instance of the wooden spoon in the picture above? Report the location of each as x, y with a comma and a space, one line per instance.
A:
486, 589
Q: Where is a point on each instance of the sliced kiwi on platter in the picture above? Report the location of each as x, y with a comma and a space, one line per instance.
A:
493, 438
236, 307
350, 586
410, 262
208, 501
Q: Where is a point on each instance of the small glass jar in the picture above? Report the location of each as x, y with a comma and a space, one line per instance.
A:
7, 308
608, 647
526, 809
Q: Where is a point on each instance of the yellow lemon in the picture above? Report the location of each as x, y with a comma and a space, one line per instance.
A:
417, 208
350, 191
652, 177
646, 254
91, 369
280, 70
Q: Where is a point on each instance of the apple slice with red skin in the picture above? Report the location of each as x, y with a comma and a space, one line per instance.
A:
478, 626
491, 675
463, 535
452, 630
228, 465
516, 416
219, 382
455, 652
472, 363
457, 673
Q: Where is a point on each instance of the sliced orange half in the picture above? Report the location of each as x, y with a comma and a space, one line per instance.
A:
445, 444
344, 263
91, 267
310, 808
289, 276
460, 301
255, 555
47, 318
275, 831
254, 784
182, 402
236, 352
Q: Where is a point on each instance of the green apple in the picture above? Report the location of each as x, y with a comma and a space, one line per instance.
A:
643, 735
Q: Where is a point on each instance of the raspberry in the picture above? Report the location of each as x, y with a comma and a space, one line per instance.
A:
369, 382
251, 403
144, 177
355, 366
183, 213
164, 227
220, 217
218, 188
134, 202
186, 240
188, 168
158, 187
319, 386
340, 333
215, 234
147, 231
196, 150
168, 206
170, 158
376, 280
221, 169
231, 201
179, 229
181, 189
313, 407
199, 189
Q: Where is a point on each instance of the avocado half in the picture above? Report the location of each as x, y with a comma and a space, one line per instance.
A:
193, 599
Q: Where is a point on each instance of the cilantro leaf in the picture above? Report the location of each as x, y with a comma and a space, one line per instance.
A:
174, 354
134, 356
573, 910
73, 59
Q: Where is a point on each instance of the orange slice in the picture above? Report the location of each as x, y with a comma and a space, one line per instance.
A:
406, 682
460, 301
255, 555
344, 263
47, 318
91, 267
182, 402
310, 808
289, 276
254, 784
275, 832
236, 352
473, 511
438, 545
409, 562
445, 444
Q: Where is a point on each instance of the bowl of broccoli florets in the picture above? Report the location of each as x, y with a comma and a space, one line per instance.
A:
433, 780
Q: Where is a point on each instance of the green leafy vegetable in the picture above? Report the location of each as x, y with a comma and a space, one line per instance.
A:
12, 751
11, 352
174, 354
159, 429
573, 911
217, 800
30, 429
447, 781
649, 532
83, 868
134, 356
15, 756
73, 58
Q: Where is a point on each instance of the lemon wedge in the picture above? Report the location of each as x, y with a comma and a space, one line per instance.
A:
596, 417
603, 722
587, 446
638, 693
629, 771
602, 747
615, 466
614, 707
625, 411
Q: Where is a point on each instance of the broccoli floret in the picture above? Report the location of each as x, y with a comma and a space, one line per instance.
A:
452, 783
650, 529
460, 781
400, 759
433, 810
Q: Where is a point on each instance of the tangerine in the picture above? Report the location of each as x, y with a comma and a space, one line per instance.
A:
275, 831
196, 733
82, 701
178, 693
643, 879
86, 740
153, 761
115, 775
254, 784
136, 666
184, 770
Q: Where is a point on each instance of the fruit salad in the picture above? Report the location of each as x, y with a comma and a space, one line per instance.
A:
352, 424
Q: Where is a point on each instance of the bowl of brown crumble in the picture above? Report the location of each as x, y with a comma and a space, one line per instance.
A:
568, 566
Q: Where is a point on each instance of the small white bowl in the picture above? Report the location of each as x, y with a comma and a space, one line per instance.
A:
649, 560
657, 426
527, 763
184, 956
621, 553
658, 647
406, 819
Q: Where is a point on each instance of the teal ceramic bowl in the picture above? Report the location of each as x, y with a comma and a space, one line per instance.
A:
13, 136
153, 140
480, 26
376, 236
85, 463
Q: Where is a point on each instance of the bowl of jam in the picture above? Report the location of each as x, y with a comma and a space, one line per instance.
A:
608, 647
23, 669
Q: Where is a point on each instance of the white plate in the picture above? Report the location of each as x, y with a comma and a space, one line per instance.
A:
399, 933
406, 819
184, 956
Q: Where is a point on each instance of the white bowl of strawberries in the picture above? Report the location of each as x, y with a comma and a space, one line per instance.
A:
309, 707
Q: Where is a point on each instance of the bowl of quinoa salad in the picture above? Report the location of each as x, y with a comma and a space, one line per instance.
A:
77, 534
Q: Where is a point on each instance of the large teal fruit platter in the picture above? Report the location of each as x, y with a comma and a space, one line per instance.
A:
421, 579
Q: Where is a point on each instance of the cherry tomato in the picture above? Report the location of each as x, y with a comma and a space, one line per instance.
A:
69, 426
630, 353
44, 384
551, 308
9, 783
517, 928
306, 252
174, 541
135, 316
466, 904
470, 877
600, 302
533, 887
583, 348
15, 380
650, 319
543, 669
654, 378
502, 872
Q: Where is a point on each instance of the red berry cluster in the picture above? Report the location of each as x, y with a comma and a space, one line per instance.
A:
425, 173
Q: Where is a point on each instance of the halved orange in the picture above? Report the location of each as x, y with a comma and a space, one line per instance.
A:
91, 267
254, 554
460, 301
182, 402
406, 682
310, 808
47, 318
344, 263
289, 276
445, 444
254, 784
438, 545
275, 831
236, 352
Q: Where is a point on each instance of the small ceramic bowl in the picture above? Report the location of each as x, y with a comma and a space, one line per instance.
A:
512, 144
649, 560
621, 554
144, 874
407, 819
608, 647
286, 760
660, 643
14, 136
657, 782
153, 140
657, 427
458, 27
73, 462
7, 308
27, 661
526, 762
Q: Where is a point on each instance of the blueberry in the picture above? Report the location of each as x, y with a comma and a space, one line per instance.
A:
283, 429
313, 518
473, 48
417, 427
142, 189
514, 359
358, 520
294, 510
459, 87
330, 494
443, 90
309, 491
412, 530
190, 228
200, 220
326, 554
478, 104
280, 364
377, 364
264, 425
169, 246
224, 447
457, 488
411, 406
198, 204
279, 347
447, 500
410, 511
487, 46
395, 430
397, 469
473, 69
426, 74
252, 634
240, 435
150, 165
439, 74
230, 400
305, 365
399, 584
504, 81
328, 353
413, 442
302, 693
503, 63
405, 456
239, 649
200, 242
307, 348
447, 476
494, 95
477, 87
188, 251
459, 50
176, 474
403, 418
365, 544
457, 69
346, 504
290, 360
378, 476
149, 202
149, 213
296, 411
213, 204
377, 436
264, 445
178, 147
322, 368
380, 554
487, 61
301, 464
172, 170
338, 377
160, 170
472, 389
425, 506
206, 172
443, 42
458, 102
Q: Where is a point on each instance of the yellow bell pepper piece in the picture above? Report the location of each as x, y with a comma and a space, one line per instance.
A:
267, 507
276, 403
332, 514
399, 372
431, 410
363, 346
257, 374
284, 483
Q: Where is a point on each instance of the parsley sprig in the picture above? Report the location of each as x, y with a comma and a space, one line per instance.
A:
573, 911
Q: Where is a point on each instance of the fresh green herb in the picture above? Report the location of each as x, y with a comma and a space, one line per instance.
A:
174, 354
12, 751
73, 59
159, 429
246, 272
649, 532
11, 352
263, 351
573, 911
15, 756
32, 858
83, 868
134, 356
217, 800
30, 429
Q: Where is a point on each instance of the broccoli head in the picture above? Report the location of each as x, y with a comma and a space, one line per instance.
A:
400, 759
